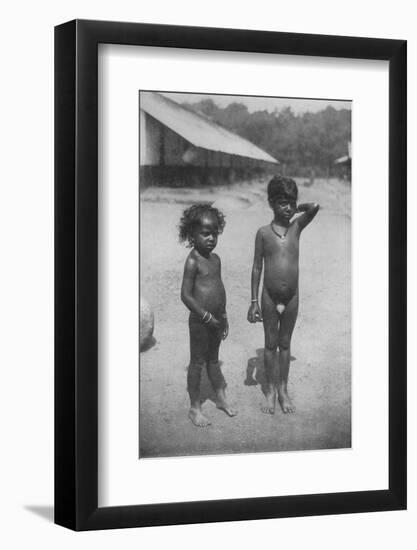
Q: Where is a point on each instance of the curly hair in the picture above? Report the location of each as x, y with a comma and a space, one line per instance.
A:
282, 187
192, 217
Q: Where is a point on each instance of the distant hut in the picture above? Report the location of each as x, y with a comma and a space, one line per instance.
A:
179, 147
344, 164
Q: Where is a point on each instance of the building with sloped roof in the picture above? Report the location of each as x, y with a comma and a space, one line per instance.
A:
179, 147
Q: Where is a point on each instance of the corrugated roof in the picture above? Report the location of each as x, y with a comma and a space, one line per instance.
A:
198, 130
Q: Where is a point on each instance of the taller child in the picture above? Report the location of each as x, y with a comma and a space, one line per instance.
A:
277, 250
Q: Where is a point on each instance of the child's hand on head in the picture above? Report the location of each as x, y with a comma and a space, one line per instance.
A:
254, 313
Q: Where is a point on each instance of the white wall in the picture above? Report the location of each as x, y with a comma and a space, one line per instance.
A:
26, 300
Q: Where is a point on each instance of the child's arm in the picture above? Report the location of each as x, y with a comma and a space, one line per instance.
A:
309, 210
254, 313
190, 271
224, 320
225, 328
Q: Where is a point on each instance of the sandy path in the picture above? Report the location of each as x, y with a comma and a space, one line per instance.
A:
320, 377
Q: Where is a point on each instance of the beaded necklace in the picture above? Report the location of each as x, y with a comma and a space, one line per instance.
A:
282, 237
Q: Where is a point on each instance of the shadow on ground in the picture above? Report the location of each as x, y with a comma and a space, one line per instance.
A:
45, 512
255, 370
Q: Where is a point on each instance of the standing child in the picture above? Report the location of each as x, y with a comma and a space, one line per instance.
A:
277, 248
204, 294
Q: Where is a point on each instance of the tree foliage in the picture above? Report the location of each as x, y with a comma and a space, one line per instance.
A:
301, 142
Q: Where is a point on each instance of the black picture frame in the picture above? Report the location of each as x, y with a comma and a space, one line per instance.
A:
76, 272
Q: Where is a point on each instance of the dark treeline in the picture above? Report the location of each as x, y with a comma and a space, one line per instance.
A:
304, 143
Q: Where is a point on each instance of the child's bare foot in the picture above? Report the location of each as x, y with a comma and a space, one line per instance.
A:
198, 418
269, 406
223, 405
287, 405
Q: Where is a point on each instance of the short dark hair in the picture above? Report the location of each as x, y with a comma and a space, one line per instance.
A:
192, 217
282, 187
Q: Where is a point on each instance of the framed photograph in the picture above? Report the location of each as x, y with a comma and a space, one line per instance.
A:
230, 275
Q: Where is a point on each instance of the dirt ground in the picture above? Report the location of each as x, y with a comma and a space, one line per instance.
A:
320, 372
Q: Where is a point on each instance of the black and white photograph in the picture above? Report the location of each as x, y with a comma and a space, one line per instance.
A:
245, 274
187, 361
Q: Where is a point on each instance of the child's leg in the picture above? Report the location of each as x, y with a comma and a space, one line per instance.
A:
270, 322
287, 323
215, 374
198, 354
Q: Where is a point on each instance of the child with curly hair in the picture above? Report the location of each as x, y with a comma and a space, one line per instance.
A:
277, 251
204, 295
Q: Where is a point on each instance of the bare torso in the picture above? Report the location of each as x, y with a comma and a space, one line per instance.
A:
208, 289
277, 253
280, 255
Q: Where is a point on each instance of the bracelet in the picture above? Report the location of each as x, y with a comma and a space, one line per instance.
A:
209, 318
204, 316
254, 300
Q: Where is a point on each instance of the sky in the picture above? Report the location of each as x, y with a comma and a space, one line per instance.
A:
297, 105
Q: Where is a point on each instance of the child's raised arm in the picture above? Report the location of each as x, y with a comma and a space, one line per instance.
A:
309, 210
254, 313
